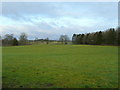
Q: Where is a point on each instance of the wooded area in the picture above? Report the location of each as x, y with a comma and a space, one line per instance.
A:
108, 37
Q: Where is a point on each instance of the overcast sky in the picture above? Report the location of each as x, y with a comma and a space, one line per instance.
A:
43, 19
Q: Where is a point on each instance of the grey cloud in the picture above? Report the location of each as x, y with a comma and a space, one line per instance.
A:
42, 29
17, 10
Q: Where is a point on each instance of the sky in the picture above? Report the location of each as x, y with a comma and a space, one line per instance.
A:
52, 19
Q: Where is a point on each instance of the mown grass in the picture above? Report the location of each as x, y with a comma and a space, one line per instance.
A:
60, 66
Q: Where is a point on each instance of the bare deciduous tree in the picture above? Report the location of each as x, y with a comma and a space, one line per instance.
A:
23, 39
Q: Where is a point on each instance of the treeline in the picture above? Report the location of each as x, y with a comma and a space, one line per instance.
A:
10, 40
108, 37
64, 39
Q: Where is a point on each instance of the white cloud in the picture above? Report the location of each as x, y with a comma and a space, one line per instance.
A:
53, 19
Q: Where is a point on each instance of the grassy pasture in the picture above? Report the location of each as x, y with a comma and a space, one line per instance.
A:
60, 66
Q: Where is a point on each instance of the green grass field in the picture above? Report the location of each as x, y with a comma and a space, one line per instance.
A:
60, 66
